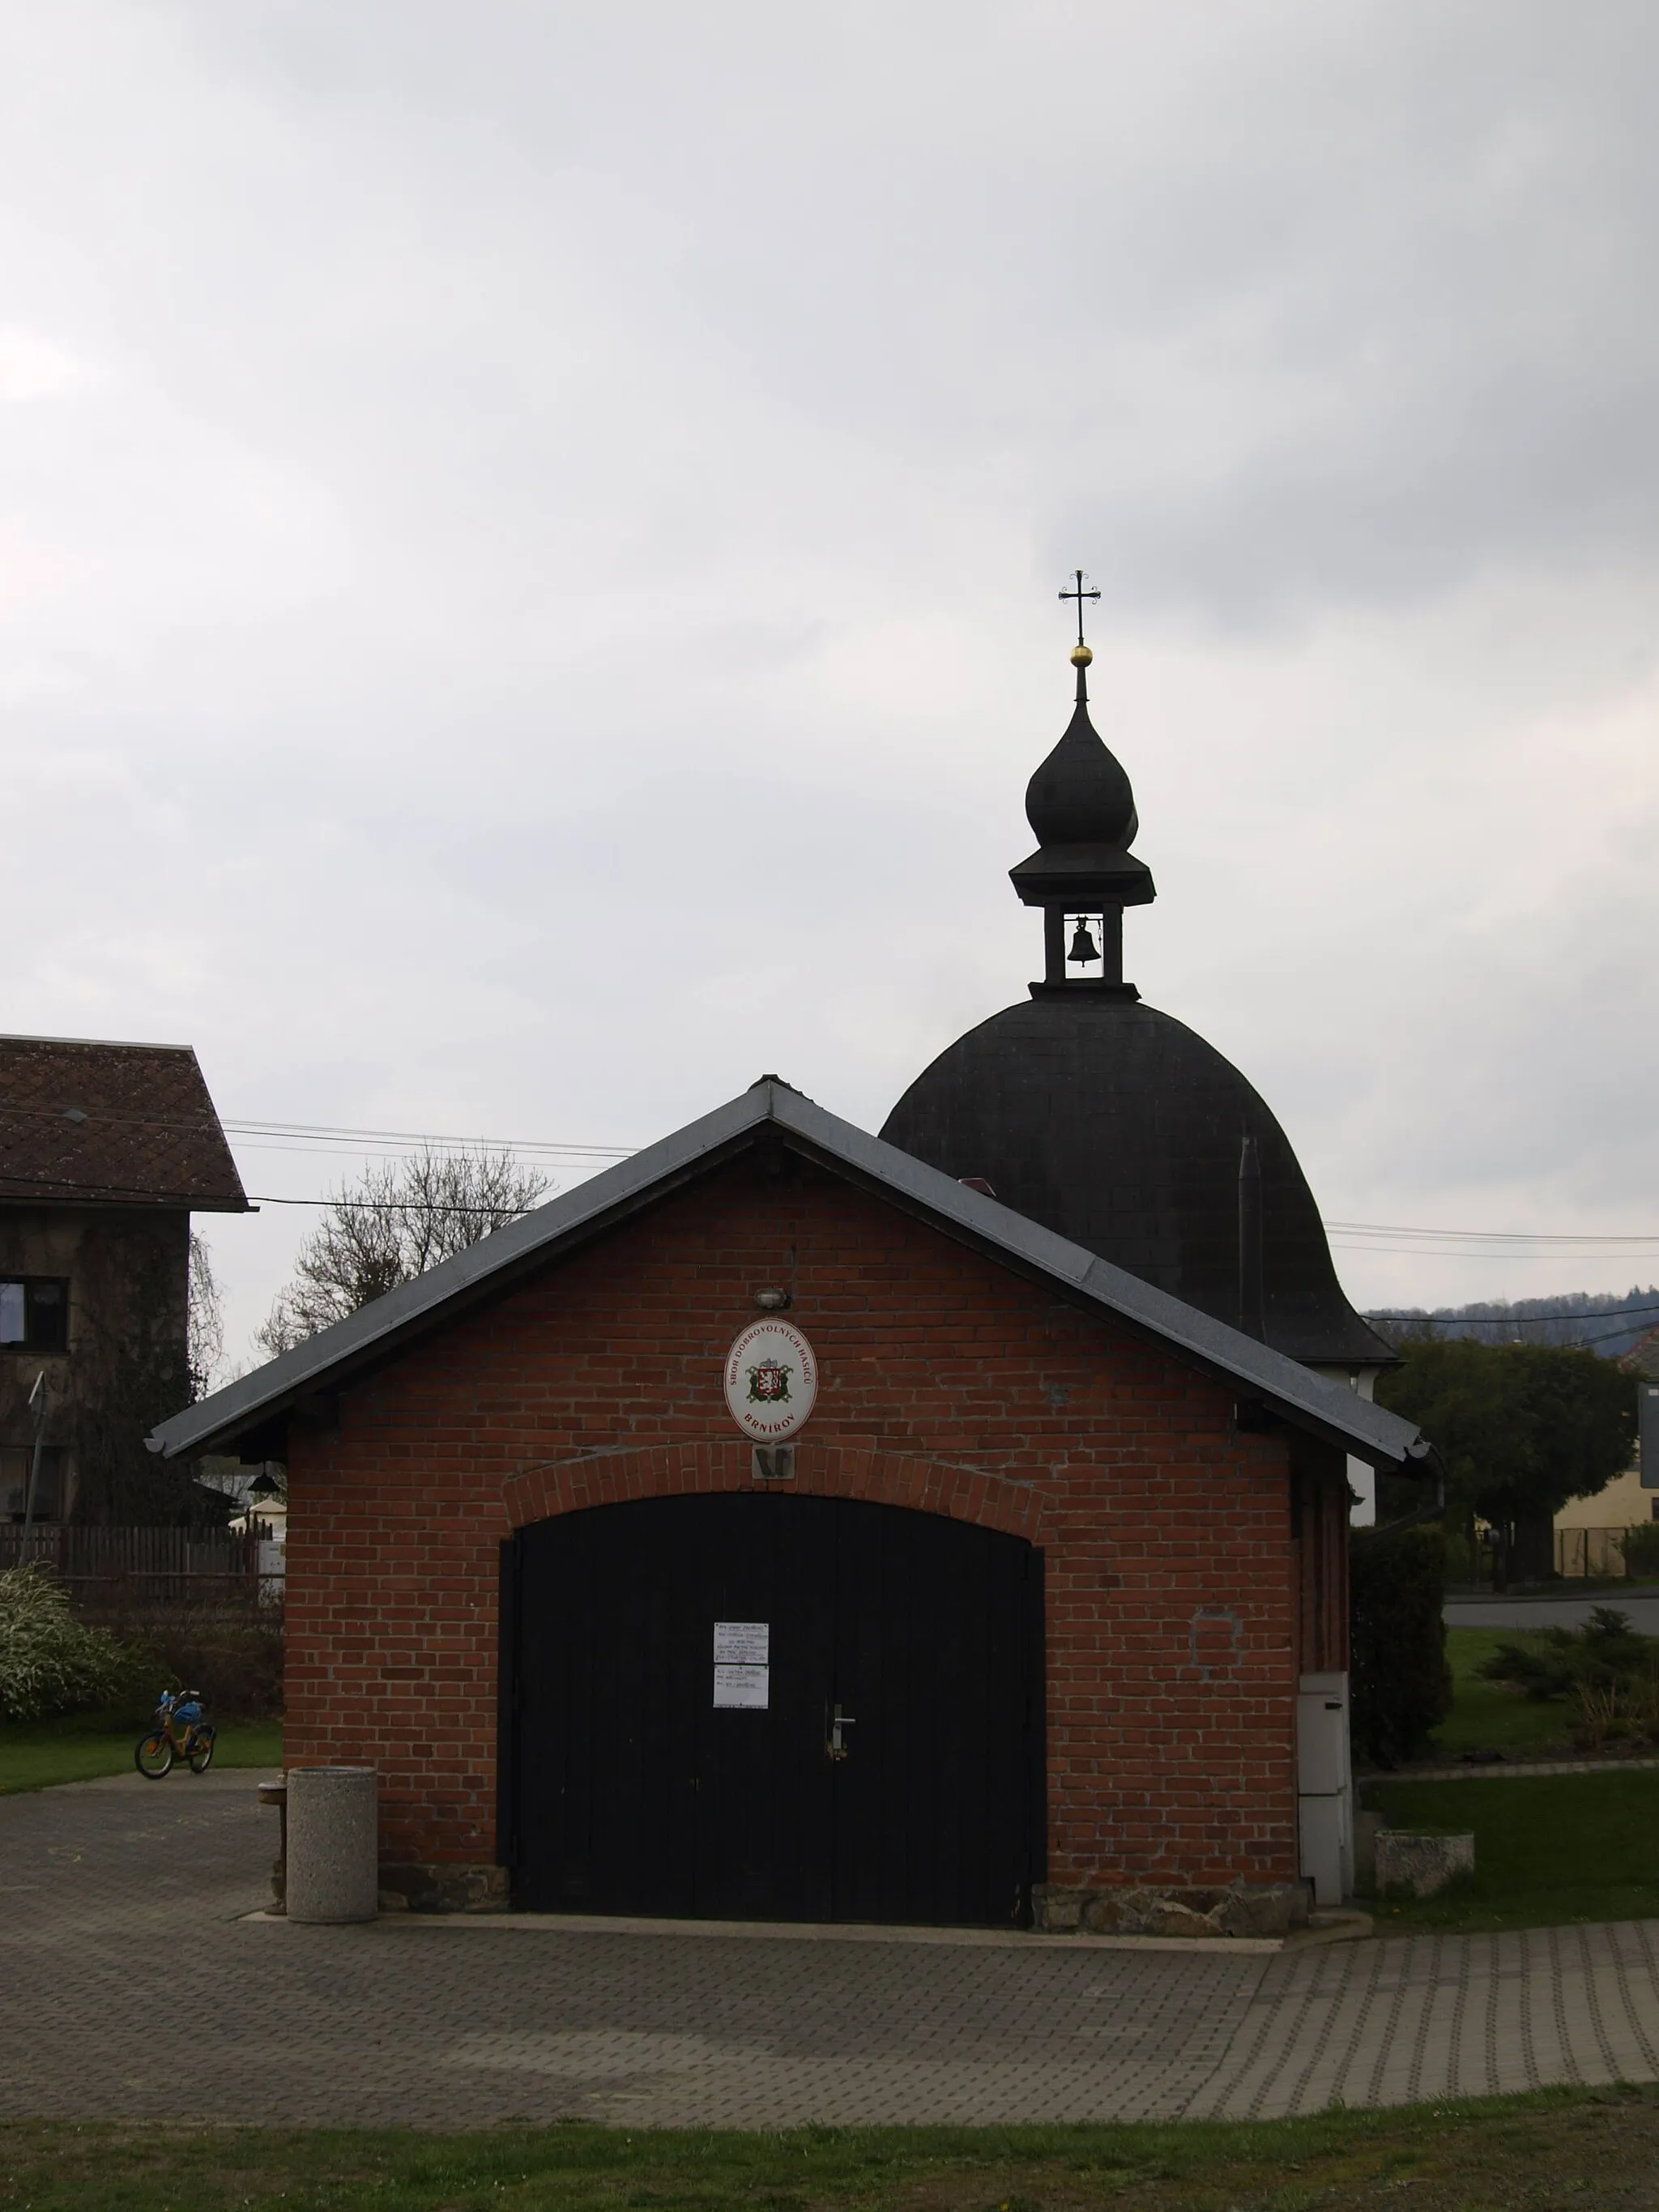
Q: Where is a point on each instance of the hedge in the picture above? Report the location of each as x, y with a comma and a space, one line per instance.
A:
1400, 1681
50, 1661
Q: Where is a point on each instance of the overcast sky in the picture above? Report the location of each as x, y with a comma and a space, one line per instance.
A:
530, 537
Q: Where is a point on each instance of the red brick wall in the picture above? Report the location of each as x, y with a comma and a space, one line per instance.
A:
948, 1383
1319, 1532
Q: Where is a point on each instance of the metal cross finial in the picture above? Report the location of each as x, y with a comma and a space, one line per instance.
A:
1079, 595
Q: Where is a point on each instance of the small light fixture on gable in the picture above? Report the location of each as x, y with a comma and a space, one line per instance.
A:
772, 1300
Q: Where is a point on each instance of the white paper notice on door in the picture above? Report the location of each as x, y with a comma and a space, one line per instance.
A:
743, 1685
742, 1642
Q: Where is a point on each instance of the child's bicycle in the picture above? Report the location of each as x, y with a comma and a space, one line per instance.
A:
179, 1732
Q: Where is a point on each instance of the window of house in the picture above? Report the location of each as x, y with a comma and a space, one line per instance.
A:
34, 1314
14, 1463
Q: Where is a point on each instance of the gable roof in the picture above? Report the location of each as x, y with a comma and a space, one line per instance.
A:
84, 1122
258, 1401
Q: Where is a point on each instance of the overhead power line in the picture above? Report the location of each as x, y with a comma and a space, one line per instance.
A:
319, 1133
1416, 1319
310, 1136
265, 1133
1376, 1313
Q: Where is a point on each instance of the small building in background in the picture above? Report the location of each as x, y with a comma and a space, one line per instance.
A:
1622, 1504
107, 1150
1590, 1533
258, 1494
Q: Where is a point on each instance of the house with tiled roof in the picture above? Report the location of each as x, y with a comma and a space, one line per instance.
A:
106, 1151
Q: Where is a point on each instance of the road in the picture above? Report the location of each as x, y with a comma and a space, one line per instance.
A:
1549, 1611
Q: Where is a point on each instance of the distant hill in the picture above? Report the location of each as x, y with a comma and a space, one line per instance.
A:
1574, 1317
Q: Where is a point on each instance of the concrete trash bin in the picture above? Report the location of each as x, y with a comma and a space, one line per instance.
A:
333, 1843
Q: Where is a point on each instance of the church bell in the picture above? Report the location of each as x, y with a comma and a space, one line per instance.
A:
1083, 945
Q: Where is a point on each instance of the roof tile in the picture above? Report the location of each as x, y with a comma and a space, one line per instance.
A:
111, 1124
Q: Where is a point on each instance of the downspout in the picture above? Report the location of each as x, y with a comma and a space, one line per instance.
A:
1430, 1467
1251, 1305
38, 1400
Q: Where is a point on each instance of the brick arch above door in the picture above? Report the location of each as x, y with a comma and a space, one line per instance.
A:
882, 1478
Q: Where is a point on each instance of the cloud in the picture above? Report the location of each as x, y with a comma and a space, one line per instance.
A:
527, 593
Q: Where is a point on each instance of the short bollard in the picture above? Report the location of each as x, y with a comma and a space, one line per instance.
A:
333, 1843
275, 1793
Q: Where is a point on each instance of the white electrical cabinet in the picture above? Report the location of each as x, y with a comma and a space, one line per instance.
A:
1324, 1782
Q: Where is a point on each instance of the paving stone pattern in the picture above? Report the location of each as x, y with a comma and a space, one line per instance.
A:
132, 1982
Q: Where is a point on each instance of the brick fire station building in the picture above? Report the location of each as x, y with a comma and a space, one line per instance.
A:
796, 1523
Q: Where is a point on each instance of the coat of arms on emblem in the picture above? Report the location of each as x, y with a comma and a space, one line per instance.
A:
772, 1399
768, 1383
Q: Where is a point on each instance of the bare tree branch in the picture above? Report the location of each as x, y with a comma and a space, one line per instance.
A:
393, 1223
206, 1322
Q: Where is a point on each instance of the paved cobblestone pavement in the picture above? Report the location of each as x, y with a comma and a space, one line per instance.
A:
131, 1982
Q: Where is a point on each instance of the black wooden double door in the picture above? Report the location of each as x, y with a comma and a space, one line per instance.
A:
630, 1788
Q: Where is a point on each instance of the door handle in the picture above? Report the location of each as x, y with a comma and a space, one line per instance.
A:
835, 1749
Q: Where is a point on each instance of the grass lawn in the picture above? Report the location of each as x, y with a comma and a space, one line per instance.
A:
35, 1754
1489, 1716
1549, 1849
1581, 2147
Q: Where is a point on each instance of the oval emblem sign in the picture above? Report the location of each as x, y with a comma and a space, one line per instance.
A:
771, 1380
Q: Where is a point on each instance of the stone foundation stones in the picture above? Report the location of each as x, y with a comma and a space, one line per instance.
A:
1420, 1865
1269, 1909
444, 1889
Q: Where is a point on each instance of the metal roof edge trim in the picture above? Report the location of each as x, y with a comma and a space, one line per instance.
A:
110, 1198
105, 1044
270, 1387
1372, 1433
1371, 1429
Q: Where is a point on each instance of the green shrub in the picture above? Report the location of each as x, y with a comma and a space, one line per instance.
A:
1618, 1713
234, 1657
1642, 1549
50, 1661
1605, 1655
1400, 1680
1463, 1556
237, 1665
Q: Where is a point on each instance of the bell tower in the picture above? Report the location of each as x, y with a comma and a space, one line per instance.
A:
1083, 874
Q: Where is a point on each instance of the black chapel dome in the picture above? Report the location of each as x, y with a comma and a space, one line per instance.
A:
1114, 1124
1119, 1127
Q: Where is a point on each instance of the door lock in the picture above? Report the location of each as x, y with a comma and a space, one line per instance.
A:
835, 1749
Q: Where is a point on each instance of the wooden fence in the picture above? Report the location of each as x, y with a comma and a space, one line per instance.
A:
152, 1566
